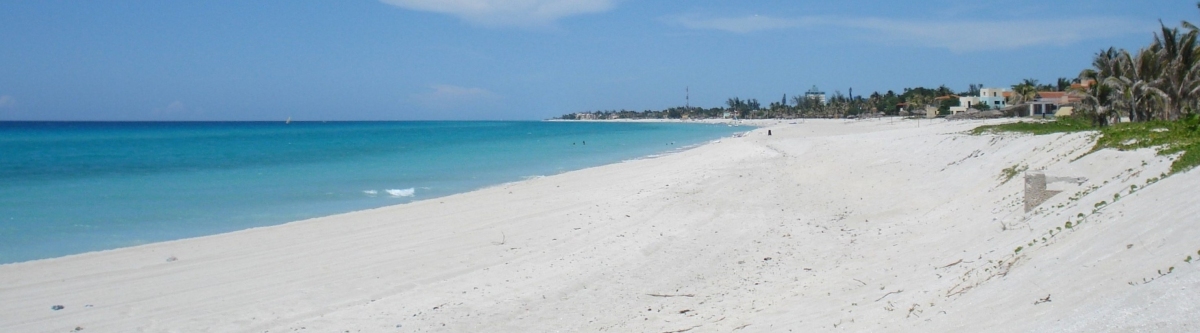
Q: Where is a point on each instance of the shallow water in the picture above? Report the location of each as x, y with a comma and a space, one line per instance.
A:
69, 188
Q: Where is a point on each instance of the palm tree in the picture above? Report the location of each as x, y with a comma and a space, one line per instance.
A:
1180, 82
1024, 91
1097, 100
1134, 83
944, 91
1063, 84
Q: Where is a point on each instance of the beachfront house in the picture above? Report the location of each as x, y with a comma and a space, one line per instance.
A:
585, 116
994, 98
1048, 103
816, 94
964, 103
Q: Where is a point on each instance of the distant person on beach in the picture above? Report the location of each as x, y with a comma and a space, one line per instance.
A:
768, 132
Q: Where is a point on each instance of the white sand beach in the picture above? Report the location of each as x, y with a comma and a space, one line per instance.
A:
870, 225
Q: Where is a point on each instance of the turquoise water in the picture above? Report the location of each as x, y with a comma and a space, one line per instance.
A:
68, 187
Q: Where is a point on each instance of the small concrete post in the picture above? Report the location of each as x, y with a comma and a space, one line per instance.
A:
1035, 184
1035, 190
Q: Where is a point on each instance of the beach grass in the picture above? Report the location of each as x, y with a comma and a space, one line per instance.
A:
1169, 137
1059, 125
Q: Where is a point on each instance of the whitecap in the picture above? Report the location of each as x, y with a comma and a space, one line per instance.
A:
408, 192
371, 192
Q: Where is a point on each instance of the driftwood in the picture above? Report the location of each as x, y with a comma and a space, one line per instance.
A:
668, 295
889, 294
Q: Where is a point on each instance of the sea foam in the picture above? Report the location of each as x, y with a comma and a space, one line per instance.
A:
408, 192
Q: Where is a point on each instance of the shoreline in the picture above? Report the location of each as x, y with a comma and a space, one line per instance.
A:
504, 184
62, 214
823, 225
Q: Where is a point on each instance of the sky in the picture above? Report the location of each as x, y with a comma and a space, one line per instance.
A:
169, 60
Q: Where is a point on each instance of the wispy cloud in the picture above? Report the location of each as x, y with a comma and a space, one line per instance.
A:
520, 13
7, 102
741, 24
443, 96
956, 36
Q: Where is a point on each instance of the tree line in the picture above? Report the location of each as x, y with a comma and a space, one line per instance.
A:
836, 105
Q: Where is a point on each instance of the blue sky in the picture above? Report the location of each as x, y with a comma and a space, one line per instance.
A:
525, 59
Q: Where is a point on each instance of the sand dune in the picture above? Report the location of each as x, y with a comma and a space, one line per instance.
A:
873, 225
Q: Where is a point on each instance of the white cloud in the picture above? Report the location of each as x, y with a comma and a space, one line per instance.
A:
522, 13
956, 36
447, 96
741, 24
7, 102
996, 35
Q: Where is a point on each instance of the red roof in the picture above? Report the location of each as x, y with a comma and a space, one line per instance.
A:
1051, 94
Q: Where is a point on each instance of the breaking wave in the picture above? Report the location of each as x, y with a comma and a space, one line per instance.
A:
408, 192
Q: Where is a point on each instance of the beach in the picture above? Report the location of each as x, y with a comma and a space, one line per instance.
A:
856, 225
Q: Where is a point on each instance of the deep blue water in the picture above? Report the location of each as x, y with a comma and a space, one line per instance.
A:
74, 187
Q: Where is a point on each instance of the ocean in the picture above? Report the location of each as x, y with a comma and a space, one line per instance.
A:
75, 187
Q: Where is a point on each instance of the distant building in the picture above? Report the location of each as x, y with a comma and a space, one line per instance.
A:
965, 103
996, 98
816, 94
585, 116
1048, 103
1082, 85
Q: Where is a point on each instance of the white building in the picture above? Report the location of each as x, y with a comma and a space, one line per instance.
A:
995, 98
816, 94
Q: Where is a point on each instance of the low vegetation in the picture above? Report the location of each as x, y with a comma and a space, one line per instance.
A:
1060, 125
1169, 137
1008, 173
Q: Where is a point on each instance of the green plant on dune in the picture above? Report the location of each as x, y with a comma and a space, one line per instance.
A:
1060, 125
1008, 173
1168, 137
